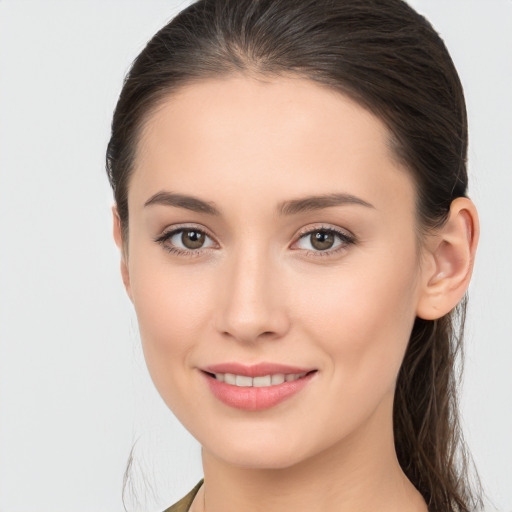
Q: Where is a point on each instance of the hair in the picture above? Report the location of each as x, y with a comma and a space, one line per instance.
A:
390, 60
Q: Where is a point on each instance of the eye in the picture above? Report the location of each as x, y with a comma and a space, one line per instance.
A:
186, 241
324, 241
191, 241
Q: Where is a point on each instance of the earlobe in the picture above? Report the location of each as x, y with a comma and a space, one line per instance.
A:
451, 255
118, 237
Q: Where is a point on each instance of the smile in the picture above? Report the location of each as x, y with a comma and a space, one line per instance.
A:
257, 382
257, 387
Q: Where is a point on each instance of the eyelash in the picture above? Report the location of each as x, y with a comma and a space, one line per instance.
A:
345, 238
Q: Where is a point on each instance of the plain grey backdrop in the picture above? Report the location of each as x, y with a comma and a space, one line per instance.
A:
75, 395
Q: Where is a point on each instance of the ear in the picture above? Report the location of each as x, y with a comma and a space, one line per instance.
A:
448, 261
121, 245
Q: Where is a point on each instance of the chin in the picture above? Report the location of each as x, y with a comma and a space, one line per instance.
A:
258, 453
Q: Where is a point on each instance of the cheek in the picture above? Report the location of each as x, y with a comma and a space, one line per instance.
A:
361, 322
362, 318
172, 307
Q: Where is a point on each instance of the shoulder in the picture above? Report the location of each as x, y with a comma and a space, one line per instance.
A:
184, 504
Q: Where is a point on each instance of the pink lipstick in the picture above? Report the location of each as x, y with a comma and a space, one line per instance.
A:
256, 387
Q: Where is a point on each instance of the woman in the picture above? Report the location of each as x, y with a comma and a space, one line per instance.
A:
296, 238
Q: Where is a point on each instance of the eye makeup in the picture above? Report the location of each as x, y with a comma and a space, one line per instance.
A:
318, 234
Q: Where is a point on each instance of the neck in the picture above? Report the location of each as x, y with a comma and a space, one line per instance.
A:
359, 473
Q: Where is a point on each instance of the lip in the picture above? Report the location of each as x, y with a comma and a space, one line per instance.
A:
255, 370
255, 398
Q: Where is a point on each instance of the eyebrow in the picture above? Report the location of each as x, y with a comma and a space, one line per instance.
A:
290, 207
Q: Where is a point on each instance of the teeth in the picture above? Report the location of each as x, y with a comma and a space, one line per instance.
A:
243, 381
229, 378
278, 378
257, 382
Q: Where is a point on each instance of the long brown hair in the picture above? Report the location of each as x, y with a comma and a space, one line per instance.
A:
389, 59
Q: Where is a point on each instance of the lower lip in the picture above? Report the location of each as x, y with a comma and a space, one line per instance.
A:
254, 398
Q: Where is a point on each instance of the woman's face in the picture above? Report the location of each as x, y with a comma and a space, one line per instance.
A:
270, 225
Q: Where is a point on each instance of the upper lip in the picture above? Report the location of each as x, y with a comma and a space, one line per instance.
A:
255, 370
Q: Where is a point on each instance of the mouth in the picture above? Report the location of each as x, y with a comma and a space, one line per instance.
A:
258, 387
245, 381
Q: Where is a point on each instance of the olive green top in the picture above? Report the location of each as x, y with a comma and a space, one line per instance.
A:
184, 504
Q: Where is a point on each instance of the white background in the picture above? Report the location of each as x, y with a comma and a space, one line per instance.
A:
74, 391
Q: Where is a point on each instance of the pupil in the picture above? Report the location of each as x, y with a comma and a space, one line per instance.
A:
322, 240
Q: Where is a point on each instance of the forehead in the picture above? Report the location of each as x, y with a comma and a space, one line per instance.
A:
251, 111
275, 137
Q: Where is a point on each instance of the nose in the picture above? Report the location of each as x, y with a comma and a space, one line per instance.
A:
252, 302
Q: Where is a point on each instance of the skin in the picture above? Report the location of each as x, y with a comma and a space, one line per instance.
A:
259, 290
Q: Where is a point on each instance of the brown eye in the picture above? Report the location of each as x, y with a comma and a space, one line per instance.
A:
325, 241
185, 241
192, 239
322, 240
